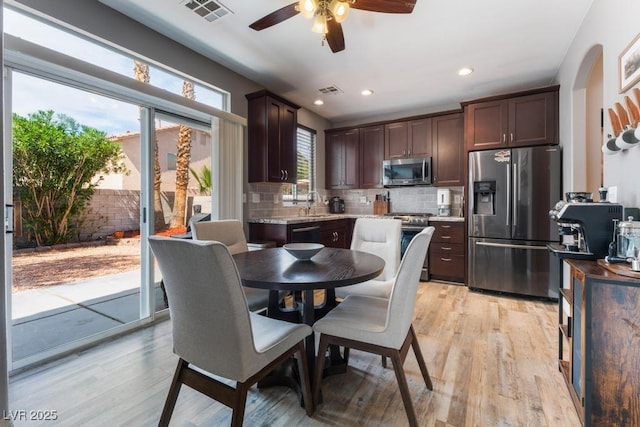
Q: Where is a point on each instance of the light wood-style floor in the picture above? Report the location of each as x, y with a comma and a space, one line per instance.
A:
492, 360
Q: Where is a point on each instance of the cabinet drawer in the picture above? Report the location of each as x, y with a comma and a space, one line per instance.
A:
448, 232
446, 267
444, 249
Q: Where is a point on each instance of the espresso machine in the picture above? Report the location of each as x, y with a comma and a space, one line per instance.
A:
587, 228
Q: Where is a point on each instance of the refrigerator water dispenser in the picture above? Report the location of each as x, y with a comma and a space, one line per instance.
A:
485, 197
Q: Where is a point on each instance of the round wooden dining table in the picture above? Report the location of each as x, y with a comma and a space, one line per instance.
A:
277, 270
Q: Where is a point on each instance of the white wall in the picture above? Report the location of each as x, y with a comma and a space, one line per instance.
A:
613, 24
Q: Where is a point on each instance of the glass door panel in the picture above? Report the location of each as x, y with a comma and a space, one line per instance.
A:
75, 267
181, 180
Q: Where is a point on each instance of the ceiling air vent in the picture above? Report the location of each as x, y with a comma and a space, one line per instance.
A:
330, 90
208, 9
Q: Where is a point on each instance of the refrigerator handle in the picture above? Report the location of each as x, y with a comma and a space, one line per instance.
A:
508, 193
512, 246
516, 195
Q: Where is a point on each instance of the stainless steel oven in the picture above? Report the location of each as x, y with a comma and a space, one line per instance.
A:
413, 224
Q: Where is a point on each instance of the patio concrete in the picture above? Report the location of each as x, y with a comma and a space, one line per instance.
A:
48, 317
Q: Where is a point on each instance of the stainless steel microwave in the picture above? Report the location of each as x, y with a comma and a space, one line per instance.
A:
401, 172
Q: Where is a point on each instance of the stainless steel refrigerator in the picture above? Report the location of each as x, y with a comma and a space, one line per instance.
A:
510, 194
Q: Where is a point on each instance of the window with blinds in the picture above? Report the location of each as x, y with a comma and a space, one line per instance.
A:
306, 145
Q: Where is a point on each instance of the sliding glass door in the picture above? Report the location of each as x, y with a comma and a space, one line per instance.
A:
75, 246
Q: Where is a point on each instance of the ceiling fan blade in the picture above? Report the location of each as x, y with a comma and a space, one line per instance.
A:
385, 6
335, 36
275, 17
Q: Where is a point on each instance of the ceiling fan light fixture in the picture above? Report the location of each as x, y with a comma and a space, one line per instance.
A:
339, 9
366, 92
465, 71
320, 24
318, 102
307, 8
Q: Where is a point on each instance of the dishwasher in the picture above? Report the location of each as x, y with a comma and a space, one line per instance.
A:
305, 233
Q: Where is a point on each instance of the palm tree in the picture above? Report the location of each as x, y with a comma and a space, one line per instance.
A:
183, 158
203, 179
141, 71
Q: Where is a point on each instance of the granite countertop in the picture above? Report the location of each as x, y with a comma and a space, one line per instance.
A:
330, 217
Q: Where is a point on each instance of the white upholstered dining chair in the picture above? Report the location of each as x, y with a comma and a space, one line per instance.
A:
230, 233
380, 325
214, 331
379, 237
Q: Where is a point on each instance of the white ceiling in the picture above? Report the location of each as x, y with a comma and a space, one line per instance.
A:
409, 61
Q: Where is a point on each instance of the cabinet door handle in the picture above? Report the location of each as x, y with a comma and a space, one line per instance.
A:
445, 259
286, 175
444, 248
504, 138
511, 136
281, 174
445, 237
445, 226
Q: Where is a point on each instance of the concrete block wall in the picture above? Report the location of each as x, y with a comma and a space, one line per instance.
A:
110, 211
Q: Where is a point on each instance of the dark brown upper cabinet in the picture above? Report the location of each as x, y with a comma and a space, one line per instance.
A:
523, 119
371, 156
272, 127
342, 159
407, 139
448, 149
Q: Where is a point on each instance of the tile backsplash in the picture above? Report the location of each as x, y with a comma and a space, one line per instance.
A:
264, 200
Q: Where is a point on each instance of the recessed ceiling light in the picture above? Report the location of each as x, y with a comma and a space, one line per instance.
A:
367, 92
465, 71
318, 102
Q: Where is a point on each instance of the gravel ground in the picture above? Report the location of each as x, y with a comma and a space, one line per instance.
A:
52, 266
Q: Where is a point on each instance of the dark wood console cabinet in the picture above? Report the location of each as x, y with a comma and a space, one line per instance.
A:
599, 344
515, 120
272, 128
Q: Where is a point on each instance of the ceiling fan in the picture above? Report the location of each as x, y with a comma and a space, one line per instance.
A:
329, 14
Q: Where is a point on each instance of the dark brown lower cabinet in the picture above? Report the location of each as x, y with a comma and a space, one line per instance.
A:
334, 233
446, 251
600, 344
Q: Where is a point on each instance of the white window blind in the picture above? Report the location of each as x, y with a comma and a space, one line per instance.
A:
306, 146
306, 142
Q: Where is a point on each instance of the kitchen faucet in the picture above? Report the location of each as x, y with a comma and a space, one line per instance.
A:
309, 201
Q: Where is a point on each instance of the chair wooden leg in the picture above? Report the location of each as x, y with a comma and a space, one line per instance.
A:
303, 370
384, 361
320, 359
239, 403
396, 360
172, 397
420, 358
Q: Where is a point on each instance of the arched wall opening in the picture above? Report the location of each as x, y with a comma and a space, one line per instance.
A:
587, 124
